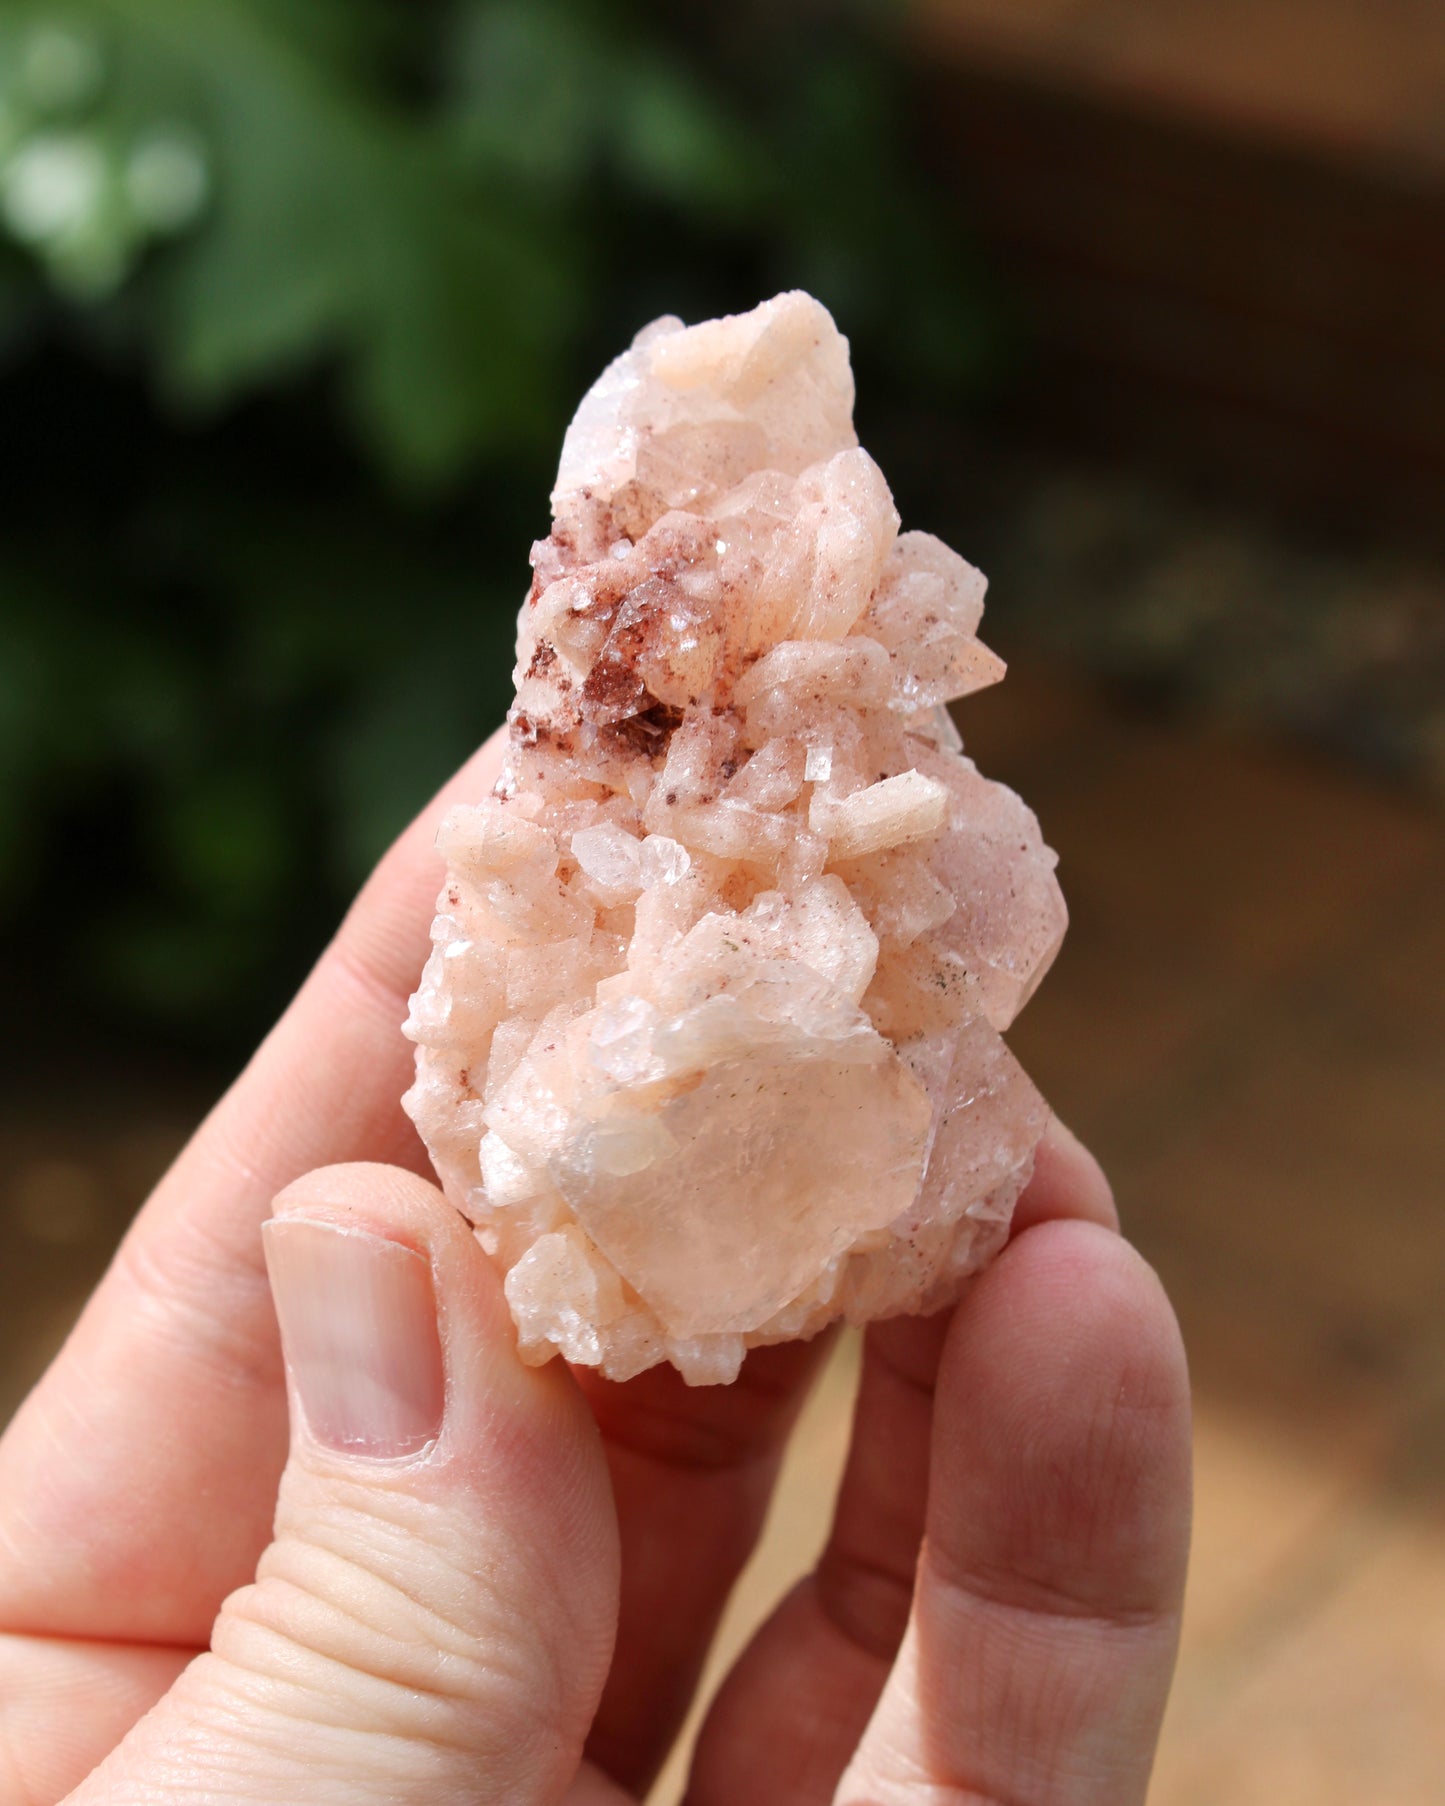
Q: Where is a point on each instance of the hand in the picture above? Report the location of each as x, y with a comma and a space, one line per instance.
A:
437, 1612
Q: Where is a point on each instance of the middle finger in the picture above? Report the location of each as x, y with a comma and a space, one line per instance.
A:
693, 1470
790, 1714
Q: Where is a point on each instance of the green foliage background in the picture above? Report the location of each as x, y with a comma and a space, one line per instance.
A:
295, 301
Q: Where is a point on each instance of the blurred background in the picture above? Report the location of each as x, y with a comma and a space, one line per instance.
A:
1145, 298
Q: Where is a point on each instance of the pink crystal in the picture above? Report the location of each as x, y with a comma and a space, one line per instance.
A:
708, 1046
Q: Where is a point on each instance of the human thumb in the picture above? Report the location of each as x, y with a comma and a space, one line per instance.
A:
434, 1619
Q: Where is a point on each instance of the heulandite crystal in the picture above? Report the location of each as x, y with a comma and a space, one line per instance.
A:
708, 1047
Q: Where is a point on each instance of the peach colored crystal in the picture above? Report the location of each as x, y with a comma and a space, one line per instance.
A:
708, 1045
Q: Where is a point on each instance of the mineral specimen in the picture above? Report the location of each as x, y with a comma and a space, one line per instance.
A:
708, 1045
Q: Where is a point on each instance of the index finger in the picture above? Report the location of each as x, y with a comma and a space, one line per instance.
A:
170, 1384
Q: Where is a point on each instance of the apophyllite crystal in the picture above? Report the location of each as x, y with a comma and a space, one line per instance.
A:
708, 1045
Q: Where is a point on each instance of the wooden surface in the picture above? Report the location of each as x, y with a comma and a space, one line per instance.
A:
1248, 1022
1219, 226
1356, 79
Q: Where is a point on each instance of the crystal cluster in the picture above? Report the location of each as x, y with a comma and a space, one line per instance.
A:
708, 1045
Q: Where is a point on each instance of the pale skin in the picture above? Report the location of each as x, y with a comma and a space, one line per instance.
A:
200, 1604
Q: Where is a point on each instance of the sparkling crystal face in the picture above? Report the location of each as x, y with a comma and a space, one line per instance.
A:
733, 1154
709, 1044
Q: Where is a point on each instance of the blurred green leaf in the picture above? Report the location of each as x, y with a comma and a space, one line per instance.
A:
294, 302
224, 837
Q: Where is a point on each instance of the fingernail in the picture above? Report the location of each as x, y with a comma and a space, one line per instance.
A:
359, 1330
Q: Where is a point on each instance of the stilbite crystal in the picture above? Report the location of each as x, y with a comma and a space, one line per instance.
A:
708, 1046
